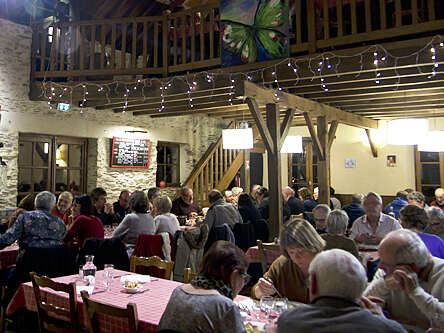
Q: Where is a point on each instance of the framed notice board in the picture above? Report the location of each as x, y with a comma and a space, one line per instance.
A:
130, 153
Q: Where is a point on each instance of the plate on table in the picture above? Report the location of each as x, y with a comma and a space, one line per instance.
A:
132, 290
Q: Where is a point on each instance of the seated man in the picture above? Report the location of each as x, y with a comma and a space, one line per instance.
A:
320, 214
184, 206
439, 199
418, 199
121, 207
103, 210
337, 281
63, 207
374, 225
253, 194
409, 281
354, 210
228, 196
294, 206
37, 228
221, 212
395, 206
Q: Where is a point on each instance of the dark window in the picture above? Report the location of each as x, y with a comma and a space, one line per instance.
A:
168, 164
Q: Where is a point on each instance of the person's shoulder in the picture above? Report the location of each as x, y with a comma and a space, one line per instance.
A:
388, 219
384, 324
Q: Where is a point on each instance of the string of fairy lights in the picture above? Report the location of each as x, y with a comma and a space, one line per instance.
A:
321, 67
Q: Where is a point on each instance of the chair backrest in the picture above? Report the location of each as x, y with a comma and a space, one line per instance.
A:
296, 216
44, 308
244, 235
105, 251
261, 230
154, 261
93, 308
262, 249
188, 275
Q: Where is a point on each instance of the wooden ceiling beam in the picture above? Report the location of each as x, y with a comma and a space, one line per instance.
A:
301, 105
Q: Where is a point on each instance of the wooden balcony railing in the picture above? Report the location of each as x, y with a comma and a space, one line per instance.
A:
190, 39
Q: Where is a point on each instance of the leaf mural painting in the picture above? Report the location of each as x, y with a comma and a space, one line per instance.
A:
254, 30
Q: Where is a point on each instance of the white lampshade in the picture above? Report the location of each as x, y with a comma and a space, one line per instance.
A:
434, 141
292, 144
240, 138
407, 131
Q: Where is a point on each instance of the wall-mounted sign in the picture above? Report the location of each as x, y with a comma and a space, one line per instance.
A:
63, 107
350, 163
130, 153
391, 161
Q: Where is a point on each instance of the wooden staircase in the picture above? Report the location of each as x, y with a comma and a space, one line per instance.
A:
215, 170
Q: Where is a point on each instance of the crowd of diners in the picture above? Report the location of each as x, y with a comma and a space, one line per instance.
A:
320, 266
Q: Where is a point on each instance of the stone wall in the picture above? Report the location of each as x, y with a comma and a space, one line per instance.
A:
21, 115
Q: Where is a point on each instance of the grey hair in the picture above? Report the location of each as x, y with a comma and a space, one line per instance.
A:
45, 200
288, 191
236, 191
323, 208
162, 204
300, 234
412, 250
357, 198
416, 196
337, 222
375, 195
338, 273
436, 212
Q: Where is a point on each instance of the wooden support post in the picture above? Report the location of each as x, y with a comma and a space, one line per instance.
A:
274, 170
372, 145
324, 163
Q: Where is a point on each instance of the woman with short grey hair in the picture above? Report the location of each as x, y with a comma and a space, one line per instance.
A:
337, 222
138, 222
436, 224
45, 201
288, 274
164, 220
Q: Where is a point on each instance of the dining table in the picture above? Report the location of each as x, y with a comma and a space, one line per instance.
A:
8, 256
151, 300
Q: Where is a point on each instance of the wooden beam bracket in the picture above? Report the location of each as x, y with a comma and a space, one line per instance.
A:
285, 126
313, 135
261, 124
372, 144
332, 132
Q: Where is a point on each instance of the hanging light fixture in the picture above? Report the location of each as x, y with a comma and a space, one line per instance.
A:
292, 145
407, 131
239, 138
434, 142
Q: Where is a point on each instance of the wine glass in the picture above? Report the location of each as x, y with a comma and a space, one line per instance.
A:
280, 305
108, 273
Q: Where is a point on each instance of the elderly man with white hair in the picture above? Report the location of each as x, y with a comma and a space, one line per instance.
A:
320, 215
409, 280
337, 281
37, 228
374, 225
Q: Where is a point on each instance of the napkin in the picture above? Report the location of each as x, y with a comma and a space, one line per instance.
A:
135, 278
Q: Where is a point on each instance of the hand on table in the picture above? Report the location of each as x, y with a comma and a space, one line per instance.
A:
361, 238
372, 304
264, 288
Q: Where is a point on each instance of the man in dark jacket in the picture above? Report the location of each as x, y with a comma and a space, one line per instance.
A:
221, 212
355, 209
293, 206
395, 206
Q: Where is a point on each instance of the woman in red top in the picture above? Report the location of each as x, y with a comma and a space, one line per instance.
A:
85, 225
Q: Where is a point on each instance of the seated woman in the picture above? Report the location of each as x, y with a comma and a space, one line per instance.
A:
436, 222
164, 221
415, 219
337, 222
206, 304
138, 222
288, 274
85, 224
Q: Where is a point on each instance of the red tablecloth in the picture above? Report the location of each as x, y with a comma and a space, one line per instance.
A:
253, 255
150, 304
8, 256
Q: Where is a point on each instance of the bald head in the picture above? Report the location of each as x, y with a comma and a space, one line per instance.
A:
287, 192
439, 196
403, 247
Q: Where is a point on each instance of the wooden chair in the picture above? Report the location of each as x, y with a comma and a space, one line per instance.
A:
92, 308
188, 275
154, 261
47, 323
262, 253
296, 216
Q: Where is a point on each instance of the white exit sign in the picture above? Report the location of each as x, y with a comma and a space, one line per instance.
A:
63, 107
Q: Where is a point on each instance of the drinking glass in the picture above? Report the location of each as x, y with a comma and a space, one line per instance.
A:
266, 305
80, 273
108, 276
280, 305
